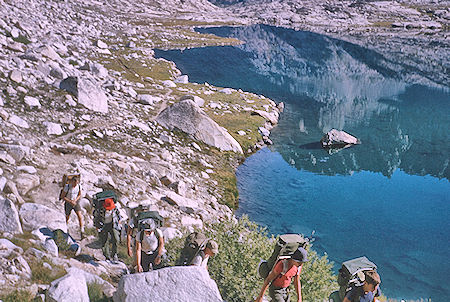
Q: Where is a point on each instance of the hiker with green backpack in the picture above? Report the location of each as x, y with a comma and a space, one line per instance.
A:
149, 246
138, 215
107, 220
284, 265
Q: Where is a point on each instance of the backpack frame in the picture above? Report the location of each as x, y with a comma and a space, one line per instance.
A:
352, 274
193, 244
285, 247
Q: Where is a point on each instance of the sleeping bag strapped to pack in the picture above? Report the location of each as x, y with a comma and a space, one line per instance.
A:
286, 245
194, 243
351, 274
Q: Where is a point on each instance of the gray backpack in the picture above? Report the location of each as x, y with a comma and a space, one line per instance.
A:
352, 274
286, 245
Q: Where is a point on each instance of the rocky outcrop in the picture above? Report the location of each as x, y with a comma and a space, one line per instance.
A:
188, 117
87, 92
9, 217
35, 216
337, 138
176, 284
69, 288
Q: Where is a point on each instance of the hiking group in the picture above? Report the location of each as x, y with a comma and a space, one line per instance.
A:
358, 278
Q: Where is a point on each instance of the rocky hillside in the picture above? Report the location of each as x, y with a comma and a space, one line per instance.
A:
81, 90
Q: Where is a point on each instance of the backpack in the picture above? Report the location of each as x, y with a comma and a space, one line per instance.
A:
99, 198
286, 245
352, 274
97, 203
65, 181
193, 244
154, 215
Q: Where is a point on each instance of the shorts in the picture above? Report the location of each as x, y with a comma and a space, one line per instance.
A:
279, 294
69, 207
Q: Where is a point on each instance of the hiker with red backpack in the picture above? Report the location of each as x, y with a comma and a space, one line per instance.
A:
149, 246
280, 277
71, 195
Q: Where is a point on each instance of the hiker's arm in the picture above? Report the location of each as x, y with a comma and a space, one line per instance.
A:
160, 249
298, 287
266, 283
130, 252
346, 300
138, 257
78, 196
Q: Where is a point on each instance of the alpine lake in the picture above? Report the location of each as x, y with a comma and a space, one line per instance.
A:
387, 198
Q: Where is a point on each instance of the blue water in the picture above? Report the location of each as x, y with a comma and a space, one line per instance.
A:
388, 198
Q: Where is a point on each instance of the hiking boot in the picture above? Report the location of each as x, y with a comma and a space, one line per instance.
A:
115, 259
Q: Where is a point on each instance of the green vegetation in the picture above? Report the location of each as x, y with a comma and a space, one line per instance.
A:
95, 293
16, 296
242, 244
45, 275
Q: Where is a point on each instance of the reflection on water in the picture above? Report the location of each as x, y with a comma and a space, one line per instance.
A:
329, 83
397, 179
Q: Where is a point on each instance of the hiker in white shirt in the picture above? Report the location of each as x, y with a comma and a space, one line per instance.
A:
149, 247
71, 196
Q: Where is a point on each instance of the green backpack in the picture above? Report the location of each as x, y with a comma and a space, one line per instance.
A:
99, 198
193, 244
352, 274
154, 215
286, 245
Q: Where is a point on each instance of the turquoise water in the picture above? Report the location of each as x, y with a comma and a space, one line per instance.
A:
388, 198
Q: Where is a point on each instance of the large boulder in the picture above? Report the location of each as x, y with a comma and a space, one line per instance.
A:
175, 284
87, 92
188, 117
69, 288
35, 216
9, 217
336, 138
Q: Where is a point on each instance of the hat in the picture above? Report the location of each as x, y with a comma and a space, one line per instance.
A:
108, 204
300, 255
213, 246
148, 224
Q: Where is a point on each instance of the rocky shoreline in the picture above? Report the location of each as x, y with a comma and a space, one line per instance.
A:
80, 89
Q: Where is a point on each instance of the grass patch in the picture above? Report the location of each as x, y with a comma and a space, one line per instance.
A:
23, 241
95, 293
44, 275
17, 296
387, 24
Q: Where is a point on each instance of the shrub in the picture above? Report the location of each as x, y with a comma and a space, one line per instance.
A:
242, 245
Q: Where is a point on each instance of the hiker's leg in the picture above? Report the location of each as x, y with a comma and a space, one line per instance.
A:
114, 240
278, 295
145, 261
104, 240
80, 219
67, 210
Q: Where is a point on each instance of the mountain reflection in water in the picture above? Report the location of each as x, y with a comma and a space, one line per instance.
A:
388, 198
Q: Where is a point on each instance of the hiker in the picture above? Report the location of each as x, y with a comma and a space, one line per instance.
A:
71, 195
367, 291
201, 259
149, 246
280, 277
107, 220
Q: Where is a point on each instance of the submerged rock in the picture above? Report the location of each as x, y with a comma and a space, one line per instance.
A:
336, 139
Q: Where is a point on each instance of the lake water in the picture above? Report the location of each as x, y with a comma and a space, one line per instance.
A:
388, 198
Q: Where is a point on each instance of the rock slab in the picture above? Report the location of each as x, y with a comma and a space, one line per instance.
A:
35, 216
188, 117
175, 284
9, 217
337, 138
88, 94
